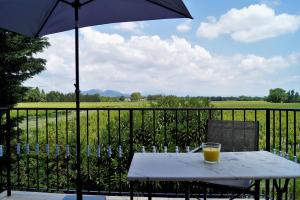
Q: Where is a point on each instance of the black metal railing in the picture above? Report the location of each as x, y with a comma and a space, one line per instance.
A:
38, 145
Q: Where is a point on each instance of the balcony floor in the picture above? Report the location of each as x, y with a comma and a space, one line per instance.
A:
20, 195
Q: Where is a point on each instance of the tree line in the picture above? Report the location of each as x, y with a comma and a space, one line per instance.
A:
37, 95
277, 95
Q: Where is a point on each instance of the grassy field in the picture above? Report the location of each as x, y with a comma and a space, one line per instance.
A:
227, 115
253, 104
276, 129
220, 104
84, 105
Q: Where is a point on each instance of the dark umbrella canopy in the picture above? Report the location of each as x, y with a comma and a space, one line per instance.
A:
36, 18
41, 17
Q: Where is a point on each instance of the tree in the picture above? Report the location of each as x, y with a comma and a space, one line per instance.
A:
154, 97
292, 96
136, 96
18, 64
34, 95
122, 98
277, 95
54, 96
297, 97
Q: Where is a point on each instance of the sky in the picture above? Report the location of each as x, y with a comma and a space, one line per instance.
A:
230, 48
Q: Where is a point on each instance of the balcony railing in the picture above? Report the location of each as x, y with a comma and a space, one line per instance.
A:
38, 145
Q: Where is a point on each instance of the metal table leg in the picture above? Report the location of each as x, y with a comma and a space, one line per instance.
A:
257, 188
131, 190
281, 191
149, 188
204, 191
187, 191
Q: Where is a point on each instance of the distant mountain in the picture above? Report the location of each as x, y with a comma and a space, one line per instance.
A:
105, 93
91, 92
111, 93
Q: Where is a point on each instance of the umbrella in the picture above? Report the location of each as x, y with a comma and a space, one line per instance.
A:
37, 18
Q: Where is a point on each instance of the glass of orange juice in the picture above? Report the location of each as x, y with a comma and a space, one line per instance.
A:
211, 152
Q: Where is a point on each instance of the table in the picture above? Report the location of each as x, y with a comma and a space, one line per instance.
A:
189, 167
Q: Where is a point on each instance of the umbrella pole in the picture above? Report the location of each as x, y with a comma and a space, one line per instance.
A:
77, 91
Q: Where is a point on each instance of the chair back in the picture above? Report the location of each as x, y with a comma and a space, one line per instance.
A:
233, 135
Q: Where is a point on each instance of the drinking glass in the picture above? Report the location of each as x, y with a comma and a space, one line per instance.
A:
211, 152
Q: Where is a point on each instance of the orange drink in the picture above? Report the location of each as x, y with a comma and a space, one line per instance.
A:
211, 152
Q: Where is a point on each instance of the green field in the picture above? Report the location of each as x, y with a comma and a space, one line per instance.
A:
253, 104
221, 104
227, 114
140, 104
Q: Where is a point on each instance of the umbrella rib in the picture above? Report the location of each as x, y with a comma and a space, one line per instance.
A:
188, 16
87, 2
66, 2
46, 20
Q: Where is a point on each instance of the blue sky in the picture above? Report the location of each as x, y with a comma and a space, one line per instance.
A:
232, 47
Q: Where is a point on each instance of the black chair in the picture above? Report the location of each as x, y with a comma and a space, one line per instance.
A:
233, 136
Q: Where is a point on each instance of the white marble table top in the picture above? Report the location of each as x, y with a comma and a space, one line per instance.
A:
191, 167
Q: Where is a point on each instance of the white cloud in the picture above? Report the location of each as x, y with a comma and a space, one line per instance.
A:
133, 27
256, 63
271, 3
185, 26
153, 65
250, 24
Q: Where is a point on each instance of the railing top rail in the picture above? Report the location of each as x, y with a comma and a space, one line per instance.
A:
155, 108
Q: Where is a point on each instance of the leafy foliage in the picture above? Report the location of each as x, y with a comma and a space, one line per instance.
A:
136, 96
37, 95
17, 64
292, 96
34, 95
181, 102
240, 98
279, 95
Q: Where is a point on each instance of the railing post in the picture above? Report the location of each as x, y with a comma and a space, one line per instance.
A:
8, 133
130, 135
1, 152
268, 148
130, 148
268, 131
